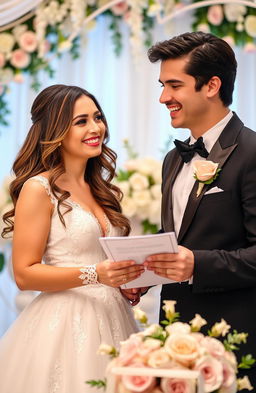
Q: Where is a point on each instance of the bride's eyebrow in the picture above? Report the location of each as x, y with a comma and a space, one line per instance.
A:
84, 115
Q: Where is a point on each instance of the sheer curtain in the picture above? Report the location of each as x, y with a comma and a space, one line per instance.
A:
128, 93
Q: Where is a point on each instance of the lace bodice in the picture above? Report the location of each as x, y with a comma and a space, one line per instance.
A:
77, 244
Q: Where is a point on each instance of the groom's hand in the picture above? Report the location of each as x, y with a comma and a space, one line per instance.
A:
177, 266
133, 294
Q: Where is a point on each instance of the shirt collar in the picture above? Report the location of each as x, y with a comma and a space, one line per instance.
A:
211, 135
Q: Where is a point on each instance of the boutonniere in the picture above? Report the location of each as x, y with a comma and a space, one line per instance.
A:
205, 172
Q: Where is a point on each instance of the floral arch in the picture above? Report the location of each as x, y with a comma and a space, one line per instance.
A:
32, 32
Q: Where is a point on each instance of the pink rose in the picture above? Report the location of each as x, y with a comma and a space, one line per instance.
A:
215, 15
212, 372
128, 350
213, 346
2, 60
204, 170
120, 8
138, 383
177, 385
183, 348
229, 374
28, 41
20, 59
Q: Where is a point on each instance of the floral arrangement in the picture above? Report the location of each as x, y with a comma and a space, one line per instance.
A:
178, 349
140, 182
5, 205
236, 23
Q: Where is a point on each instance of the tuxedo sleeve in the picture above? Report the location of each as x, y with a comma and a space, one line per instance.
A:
219, 270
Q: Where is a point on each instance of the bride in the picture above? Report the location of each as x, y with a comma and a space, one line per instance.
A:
63, 202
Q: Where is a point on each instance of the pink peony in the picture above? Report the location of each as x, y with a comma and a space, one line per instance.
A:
215, 15
212, 372
19, 58
120, 8
176, 385
138, 383
28, 41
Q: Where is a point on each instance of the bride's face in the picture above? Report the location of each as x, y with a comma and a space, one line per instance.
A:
86, 134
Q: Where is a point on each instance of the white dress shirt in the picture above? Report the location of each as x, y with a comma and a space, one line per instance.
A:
185, 180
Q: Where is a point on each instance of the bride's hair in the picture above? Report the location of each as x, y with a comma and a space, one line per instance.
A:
52, 113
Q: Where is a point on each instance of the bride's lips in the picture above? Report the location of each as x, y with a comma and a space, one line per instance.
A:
94, 141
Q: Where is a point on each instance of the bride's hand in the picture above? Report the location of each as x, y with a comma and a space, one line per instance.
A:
115, 274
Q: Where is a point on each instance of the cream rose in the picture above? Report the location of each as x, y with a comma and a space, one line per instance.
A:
215, 15
182, 348
128, 207
20, 58
250, 25
212, 372
178, 327
173, 385
233, 12
204, 170
7, 42
28, 41
6, 75
138, 182
213, 347
142, 198
158, 359
155, 212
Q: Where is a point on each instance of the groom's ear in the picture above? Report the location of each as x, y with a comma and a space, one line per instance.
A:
213, 87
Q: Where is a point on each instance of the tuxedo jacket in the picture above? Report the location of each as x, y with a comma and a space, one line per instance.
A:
220, 229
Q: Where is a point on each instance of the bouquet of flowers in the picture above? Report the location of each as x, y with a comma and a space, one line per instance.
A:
176, 357
140, 183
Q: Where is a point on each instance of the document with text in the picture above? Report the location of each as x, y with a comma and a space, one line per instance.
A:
138, 248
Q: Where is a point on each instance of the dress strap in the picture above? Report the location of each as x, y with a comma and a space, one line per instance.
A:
45, 183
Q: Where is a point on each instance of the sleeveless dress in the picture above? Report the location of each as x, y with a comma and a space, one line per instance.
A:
52, 346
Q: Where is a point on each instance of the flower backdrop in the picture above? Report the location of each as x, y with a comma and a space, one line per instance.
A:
28, 45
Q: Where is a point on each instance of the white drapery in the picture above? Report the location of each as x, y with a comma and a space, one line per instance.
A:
10, 10
129, 97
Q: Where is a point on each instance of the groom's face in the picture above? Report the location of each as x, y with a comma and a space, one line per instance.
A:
188, 107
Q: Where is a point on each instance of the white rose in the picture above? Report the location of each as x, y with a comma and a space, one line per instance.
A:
156, 191
250, 25
204, 170
138, 182
6, 76
178, 327
142, 198
155, 212
132, 165
129, 208
124, 186
183, 348
152, 343
158, 359
17, 31
7, 42
143, 212
234, 11
148, 165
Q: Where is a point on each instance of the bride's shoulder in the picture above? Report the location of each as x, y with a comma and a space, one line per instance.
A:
37, 187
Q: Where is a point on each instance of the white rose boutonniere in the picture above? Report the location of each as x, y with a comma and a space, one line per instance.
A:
205, 172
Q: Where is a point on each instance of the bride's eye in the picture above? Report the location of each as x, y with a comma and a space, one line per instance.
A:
81, 121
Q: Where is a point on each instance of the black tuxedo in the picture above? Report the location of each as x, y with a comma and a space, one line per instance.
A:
220, 229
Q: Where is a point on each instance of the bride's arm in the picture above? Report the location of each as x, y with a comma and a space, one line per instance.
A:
31, 230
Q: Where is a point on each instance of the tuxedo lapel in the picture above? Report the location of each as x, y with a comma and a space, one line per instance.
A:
220, 152
167, 209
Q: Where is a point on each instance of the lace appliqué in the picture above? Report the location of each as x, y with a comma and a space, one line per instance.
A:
89, 275
55, 378
79, 335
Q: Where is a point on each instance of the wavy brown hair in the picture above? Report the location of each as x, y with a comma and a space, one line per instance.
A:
52, 113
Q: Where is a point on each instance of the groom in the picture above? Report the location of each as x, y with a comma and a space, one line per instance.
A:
215, 267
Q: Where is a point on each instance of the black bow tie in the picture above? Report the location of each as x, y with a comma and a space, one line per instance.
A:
187, 151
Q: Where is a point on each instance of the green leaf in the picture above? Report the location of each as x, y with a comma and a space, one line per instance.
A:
99, 384
247, 362
1, 261
148, 227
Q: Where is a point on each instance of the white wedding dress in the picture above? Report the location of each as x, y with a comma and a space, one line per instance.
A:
52, 346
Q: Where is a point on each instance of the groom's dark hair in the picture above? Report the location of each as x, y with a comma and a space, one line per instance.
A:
208, 56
